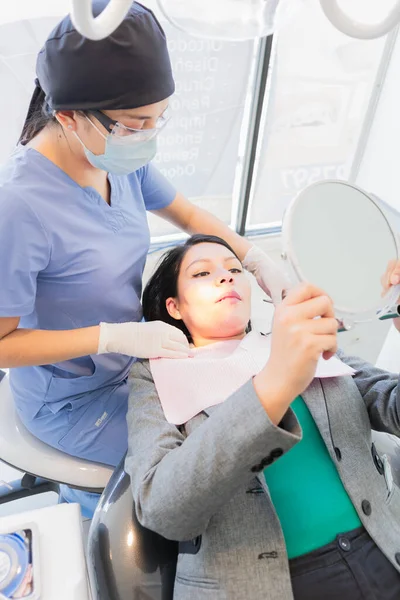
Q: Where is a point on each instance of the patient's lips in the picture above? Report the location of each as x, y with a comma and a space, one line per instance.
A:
232, 295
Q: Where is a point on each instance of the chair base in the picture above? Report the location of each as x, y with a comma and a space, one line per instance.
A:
25, 487
91, 490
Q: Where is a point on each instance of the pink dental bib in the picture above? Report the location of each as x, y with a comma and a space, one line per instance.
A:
188, 386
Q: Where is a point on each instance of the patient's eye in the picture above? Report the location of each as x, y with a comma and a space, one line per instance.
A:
236, 270
201, 274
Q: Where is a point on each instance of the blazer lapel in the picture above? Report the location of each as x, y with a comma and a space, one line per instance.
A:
316, 402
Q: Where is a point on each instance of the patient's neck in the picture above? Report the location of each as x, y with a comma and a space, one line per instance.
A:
199, 340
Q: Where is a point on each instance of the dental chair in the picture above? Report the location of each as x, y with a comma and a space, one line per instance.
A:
125, 560
43, 468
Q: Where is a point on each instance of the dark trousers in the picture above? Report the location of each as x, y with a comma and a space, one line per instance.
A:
350, 568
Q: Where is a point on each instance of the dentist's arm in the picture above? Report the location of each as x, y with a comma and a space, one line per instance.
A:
30, 347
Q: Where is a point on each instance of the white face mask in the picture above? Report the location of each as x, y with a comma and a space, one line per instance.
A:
122, 155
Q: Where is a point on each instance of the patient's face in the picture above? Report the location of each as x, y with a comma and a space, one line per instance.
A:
214, 294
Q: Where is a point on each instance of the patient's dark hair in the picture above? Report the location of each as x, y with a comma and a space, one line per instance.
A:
163, 283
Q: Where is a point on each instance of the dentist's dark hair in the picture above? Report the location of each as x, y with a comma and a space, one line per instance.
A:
38, 117
163, 284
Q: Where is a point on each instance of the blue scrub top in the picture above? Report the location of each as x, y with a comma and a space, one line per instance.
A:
70, 260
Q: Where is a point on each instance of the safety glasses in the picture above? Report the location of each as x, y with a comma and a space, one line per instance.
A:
119, 130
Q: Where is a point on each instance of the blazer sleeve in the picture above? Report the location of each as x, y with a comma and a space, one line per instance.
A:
179, 482
380, 392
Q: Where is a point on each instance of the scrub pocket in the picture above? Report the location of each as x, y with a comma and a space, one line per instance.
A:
63, 389
98, 430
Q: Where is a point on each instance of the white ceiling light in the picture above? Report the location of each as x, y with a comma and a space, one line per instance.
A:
355, 28
229, 19
97, 28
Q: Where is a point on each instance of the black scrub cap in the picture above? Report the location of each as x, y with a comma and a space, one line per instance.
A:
128, 69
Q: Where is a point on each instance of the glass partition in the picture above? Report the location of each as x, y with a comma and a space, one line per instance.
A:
320, 85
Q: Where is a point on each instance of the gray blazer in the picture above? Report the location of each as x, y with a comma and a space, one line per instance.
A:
203, 482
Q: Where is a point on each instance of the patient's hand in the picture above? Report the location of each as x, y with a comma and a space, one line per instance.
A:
390, 278
304, 328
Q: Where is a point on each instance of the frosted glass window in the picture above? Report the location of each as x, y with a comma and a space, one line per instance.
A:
320, 85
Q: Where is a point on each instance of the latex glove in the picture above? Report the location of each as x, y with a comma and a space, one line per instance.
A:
270, 277
155, 339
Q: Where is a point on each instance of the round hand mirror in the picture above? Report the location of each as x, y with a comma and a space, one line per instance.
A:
336, 237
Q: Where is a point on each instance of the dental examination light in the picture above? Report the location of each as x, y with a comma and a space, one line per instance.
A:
228, 19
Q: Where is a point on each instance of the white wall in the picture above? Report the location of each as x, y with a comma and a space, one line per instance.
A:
379, 172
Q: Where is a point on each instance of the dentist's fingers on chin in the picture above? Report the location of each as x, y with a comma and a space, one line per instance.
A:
178, 336
177, 347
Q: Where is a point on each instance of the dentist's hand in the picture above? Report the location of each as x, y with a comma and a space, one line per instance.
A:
303, 330
270, 277
155, 339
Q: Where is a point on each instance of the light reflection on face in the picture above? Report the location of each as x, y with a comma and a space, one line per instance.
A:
214, 294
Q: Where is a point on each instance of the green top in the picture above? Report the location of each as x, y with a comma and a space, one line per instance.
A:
307, 492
